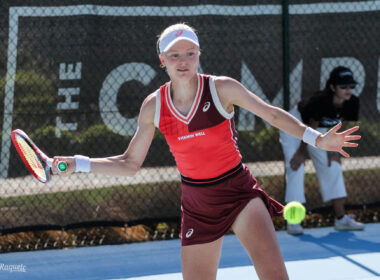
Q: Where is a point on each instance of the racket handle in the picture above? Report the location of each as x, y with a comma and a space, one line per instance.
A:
62, 166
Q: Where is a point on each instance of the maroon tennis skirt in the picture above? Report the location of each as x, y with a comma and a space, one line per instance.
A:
210, 207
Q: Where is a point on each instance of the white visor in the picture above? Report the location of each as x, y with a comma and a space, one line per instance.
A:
177, 35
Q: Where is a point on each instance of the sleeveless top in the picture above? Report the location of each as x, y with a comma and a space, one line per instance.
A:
204, 142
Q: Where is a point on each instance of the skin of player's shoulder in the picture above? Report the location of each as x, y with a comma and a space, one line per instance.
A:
227, 88
224, 83
148, 109
230, 91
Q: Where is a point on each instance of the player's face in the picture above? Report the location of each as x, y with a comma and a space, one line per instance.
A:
181, 60
343, 92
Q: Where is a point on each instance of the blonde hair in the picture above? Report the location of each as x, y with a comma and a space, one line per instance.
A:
171, 28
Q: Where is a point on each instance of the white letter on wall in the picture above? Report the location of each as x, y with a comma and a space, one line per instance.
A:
108, 95
69, 72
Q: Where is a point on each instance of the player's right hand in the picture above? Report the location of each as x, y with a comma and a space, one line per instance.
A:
70, 161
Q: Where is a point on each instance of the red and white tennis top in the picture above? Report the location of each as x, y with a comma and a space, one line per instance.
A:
204, 142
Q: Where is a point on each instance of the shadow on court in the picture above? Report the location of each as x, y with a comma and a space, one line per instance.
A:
344, 243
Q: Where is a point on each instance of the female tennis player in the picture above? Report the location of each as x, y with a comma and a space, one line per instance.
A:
195, 114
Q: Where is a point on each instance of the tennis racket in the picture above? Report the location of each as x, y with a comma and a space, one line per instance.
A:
37, 162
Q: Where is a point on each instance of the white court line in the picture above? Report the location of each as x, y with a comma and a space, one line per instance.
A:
333, 268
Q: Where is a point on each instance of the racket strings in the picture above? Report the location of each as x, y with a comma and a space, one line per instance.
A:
31, 157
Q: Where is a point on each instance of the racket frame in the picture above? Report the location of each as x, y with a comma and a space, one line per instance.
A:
41, 156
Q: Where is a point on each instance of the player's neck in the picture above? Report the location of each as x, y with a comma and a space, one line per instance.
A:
184, 90
183, 95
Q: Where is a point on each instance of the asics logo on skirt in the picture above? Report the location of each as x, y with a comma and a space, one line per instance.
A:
189, 233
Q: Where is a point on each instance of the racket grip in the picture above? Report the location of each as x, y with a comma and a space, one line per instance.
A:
62, 166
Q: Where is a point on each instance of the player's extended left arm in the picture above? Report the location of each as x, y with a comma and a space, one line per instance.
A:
277, 117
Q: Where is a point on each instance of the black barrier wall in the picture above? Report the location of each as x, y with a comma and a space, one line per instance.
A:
74, 74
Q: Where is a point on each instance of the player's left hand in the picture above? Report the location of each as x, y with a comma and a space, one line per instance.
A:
336, 141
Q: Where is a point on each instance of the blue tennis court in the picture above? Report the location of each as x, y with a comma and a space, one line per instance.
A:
321, 253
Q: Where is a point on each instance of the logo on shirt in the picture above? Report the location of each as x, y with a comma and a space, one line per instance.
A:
329, 122
189, 233
189, 136
206, 106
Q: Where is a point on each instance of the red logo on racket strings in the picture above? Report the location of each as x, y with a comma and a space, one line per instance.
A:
179, 33
34, 162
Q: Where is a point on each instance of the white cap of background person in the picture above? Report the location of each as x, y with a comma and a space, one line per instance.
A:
177, 35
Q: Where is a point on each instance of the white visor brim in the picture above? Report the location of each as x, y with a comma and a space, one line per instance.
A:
175, 36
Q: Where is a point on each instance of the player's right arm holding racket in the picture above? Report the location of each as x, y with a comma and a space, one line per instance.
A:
130, 161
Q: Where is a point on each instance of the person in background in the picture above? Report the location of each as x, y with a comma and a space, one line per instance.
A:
323, 110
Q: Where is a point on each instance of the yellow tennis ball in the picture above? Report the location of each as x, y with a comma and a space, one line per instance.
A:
294, 212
